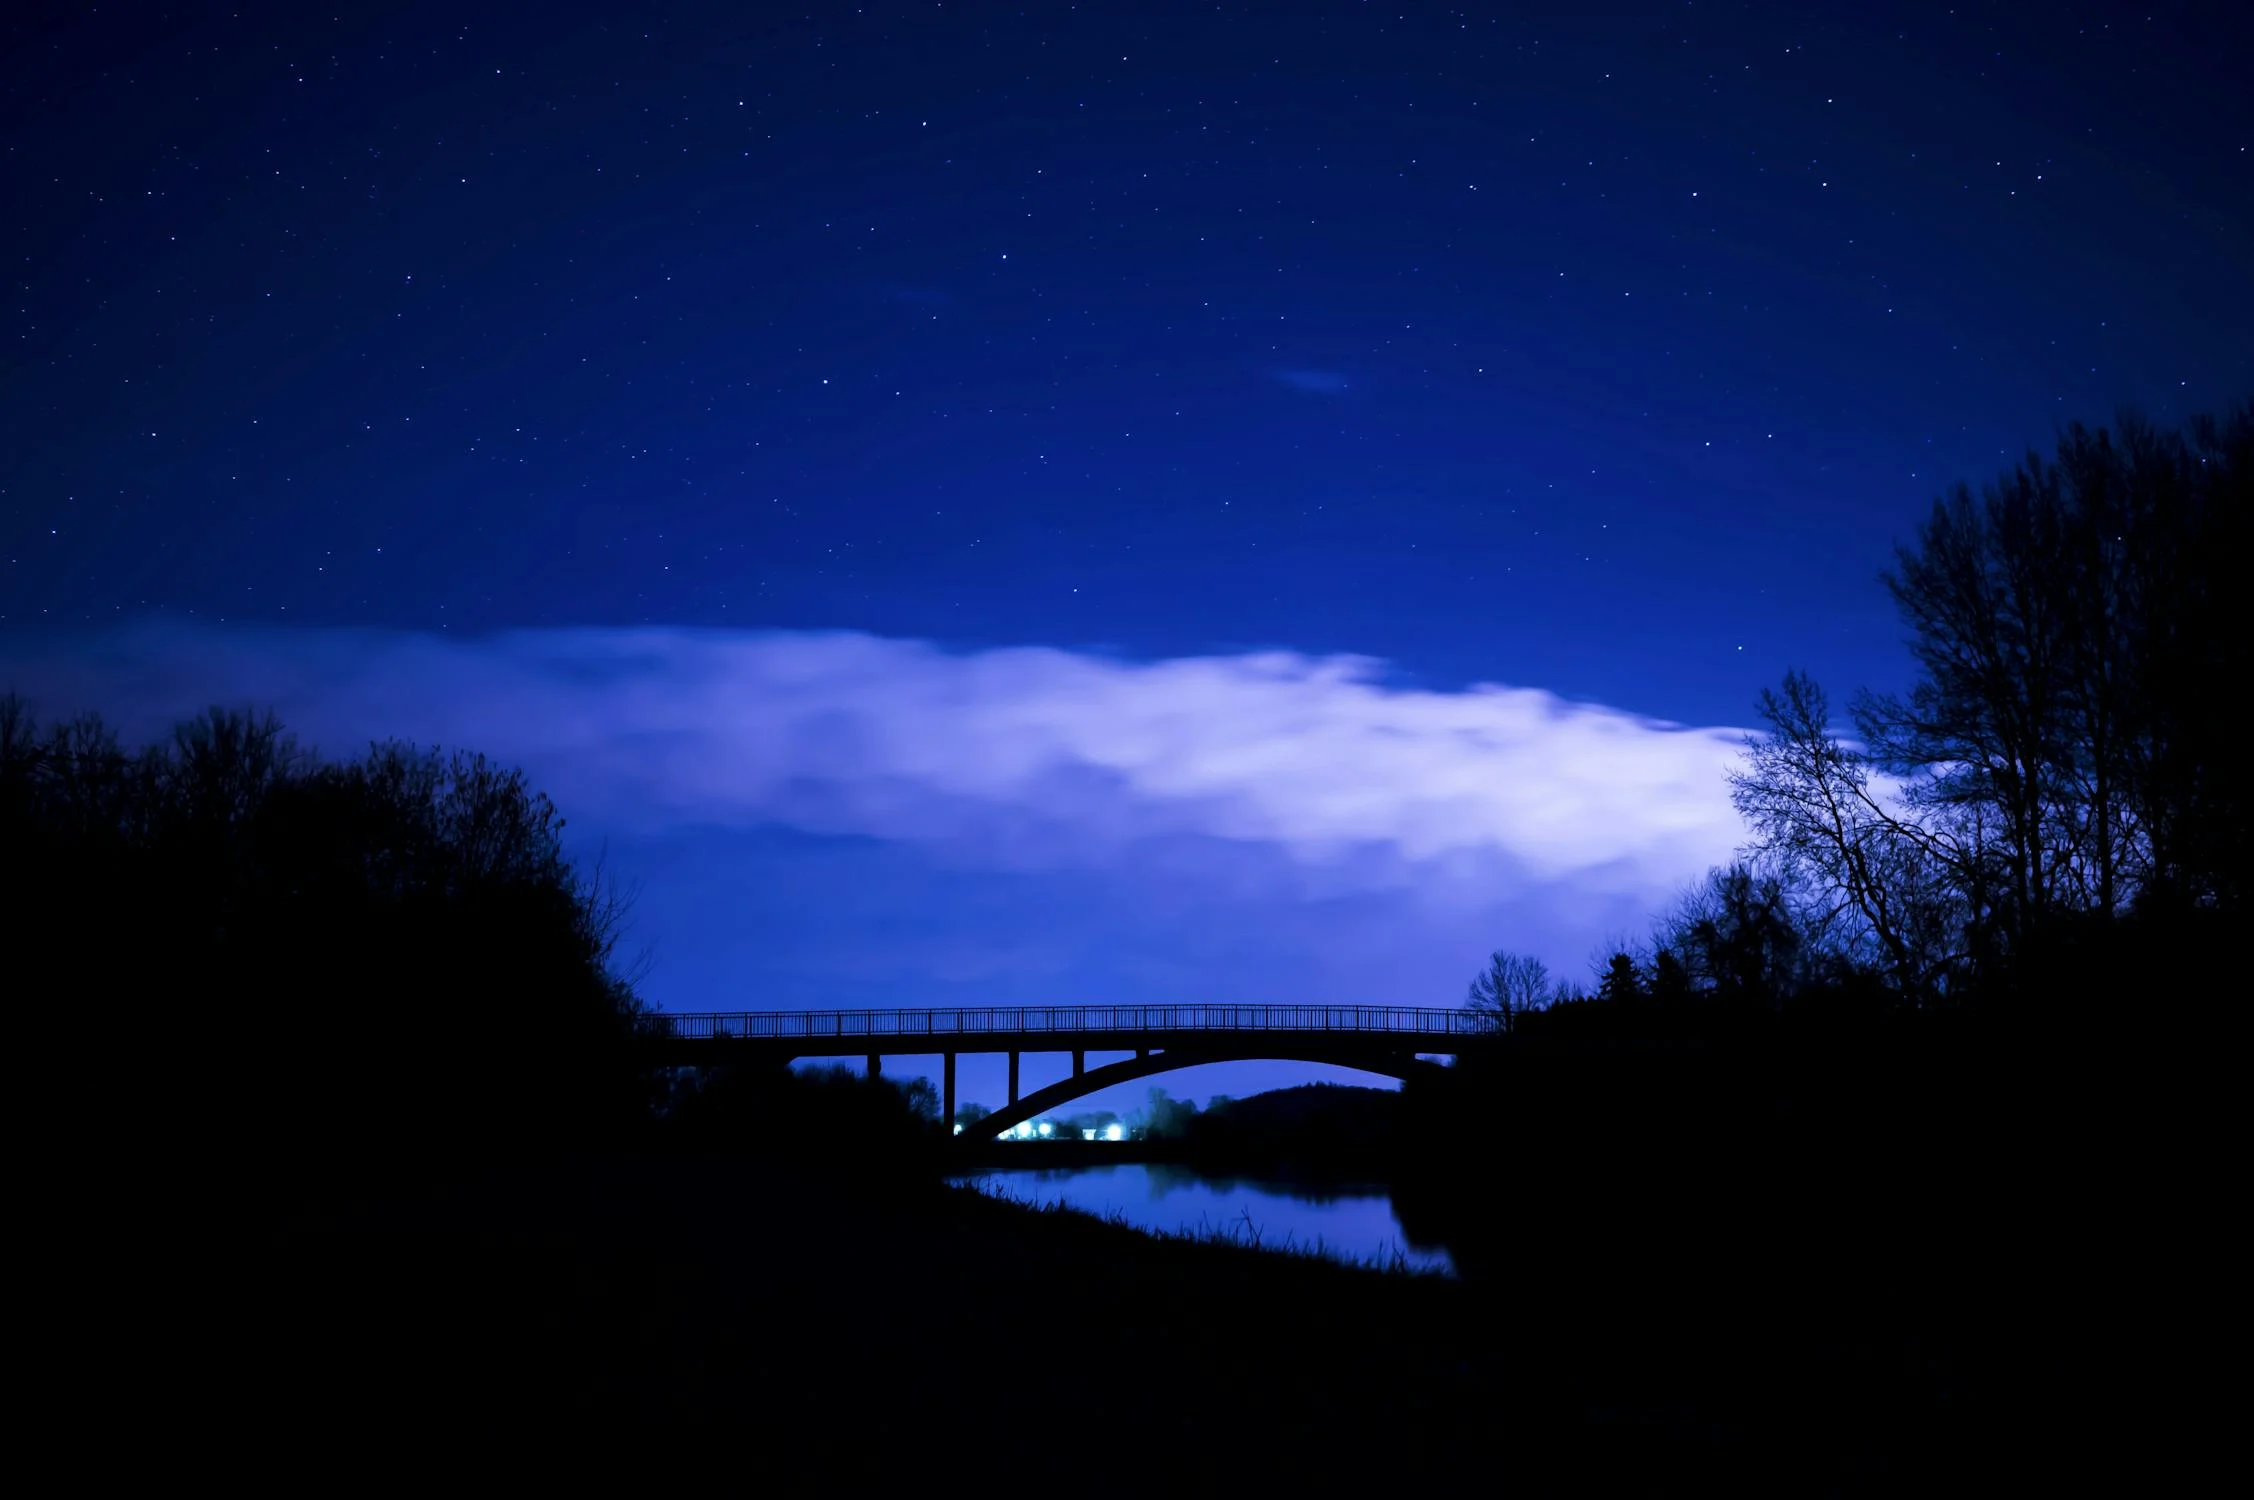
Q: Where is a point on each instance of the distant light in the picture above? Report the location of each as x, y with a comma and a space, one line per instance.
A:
1047, 1130
958, 1129
1115, 1132
1088, 1134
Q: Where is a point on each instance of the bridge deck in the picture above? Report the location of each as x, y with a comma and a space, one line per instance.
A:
1059, 1028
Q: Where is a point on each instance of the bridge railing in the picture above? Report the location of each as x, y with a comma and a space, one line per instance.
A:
1035, 1021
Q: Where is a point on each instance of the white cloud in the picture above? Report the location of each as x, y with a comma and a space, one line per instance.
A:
1003, 755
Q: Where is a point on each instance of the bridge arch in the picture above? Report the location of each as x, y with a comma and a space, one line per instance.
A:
1389, 1064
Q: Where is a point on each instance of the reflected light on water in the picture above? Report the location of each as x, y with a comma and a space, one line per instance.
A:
1353, 1224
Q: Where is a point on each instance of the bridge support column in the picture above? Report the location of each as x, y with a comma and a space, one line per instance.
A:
873, 1062
1079, 1062
1142, 1052
1013, 1078
947, 1072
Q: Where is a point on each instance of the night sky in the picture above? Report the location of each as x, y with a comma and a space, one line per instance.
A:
969, 503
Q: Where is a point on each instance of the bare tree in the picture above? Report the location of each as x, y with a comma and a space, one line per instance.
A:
1882, 879
1988, 722
2075, 630
1511, 985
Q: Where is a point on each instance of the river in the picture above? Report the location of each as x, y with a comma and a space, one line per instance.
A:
1356, 1224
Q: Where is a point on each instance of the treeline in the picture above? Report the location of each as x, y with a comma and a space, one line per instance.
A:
289, 969
1964, 980
1312, 1131
837, 1116
2055, 811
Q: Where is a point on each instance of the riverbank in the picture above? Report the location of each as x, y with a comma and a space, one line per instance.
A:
818, 1333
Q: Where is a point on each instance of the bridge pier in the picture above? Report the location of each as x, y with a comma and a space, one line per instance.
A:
873, 1065
1013, 1079
947, 1071
1079, 1062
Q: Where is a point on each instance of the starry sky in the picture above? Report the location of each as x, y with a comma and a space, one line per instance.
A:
1067, 502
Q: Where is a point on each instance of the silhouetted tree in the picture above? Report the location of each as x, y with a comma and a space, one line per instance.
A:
2072, 628
835, 1114
1511, 985
922, 1099
305, 966
1620, 982
1670, 981
1164, 1117
1885, 886
1736, 936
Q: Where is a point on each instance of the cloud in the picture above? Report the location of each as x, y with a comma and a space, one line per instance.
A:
1315, 382
849, 820
1009, 757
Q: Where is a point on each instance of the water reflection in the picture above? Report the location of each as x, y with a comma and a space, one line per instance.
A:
1352, 1223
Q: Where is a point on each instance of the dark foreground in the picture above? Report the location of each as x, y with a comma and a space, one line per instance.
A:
1877, 1260
769, 1326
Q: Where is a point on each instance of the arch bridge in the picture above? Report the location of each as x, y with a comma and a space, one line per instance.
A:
1375, 1038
